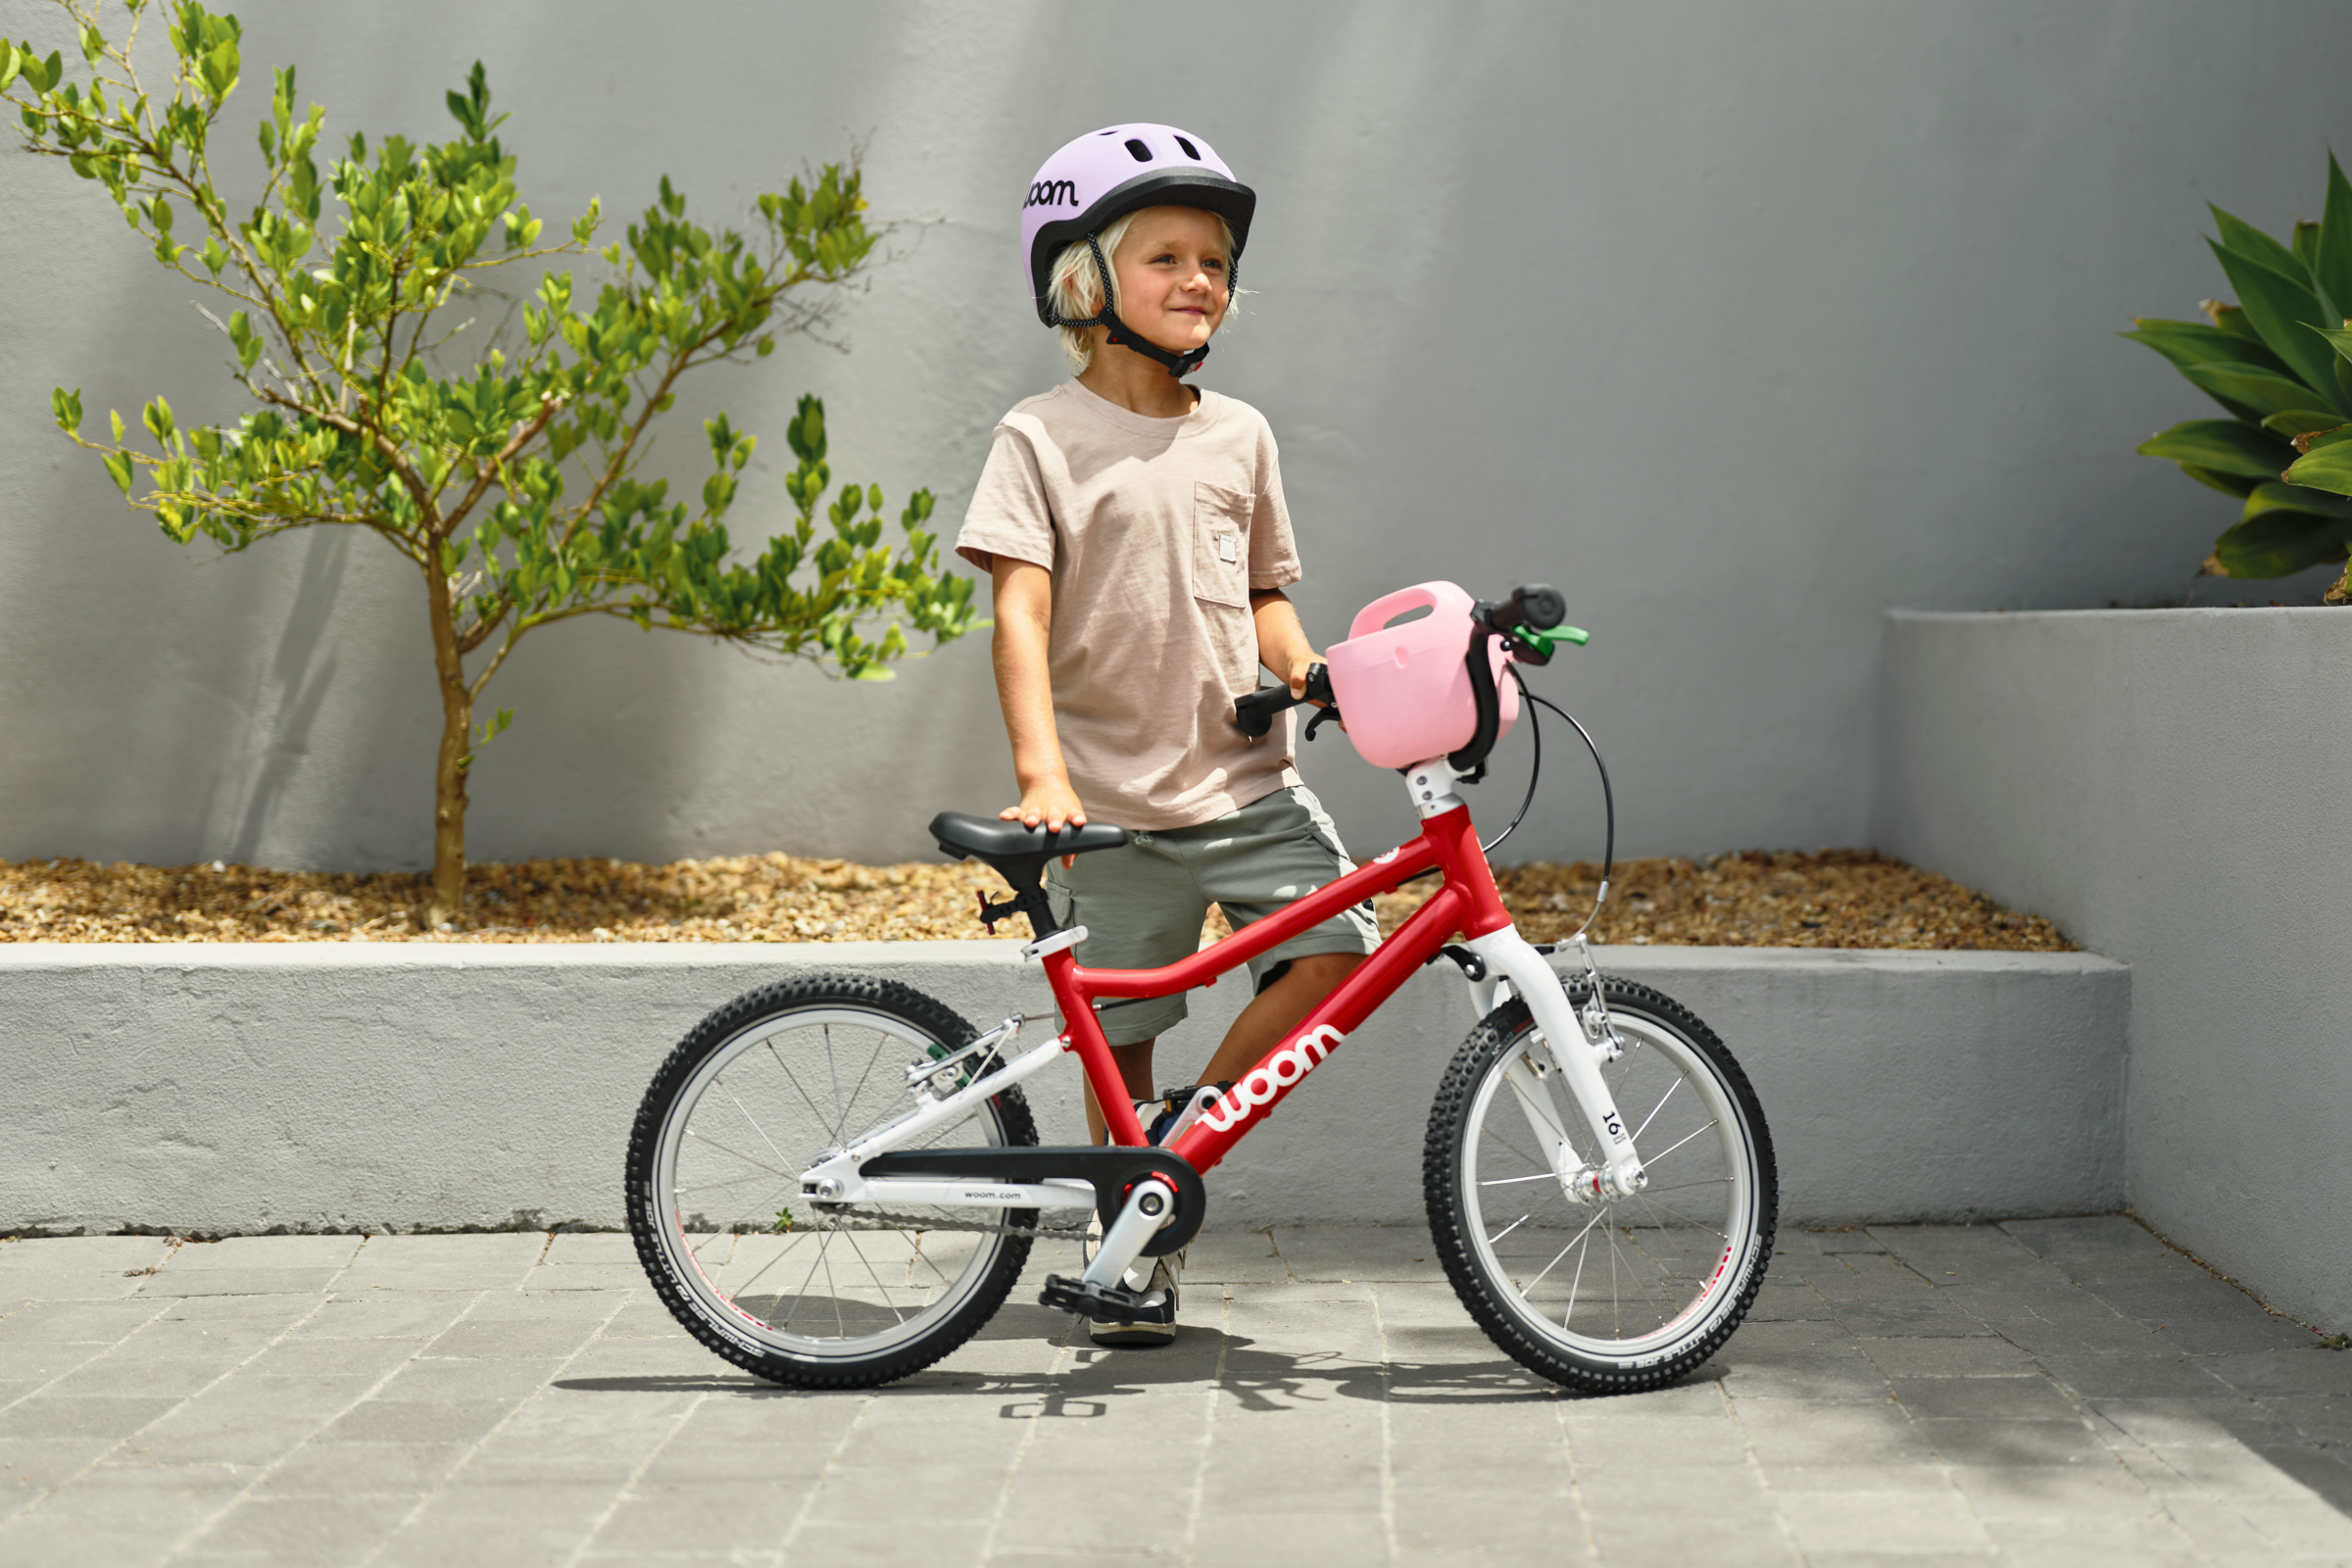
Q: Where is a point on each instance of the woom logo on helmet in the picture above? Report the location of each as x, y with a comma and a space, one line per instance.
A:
1053, 193
1270, 1077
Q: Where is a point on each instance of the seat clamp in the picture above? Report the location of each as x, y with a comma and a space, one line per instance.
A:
1055, 943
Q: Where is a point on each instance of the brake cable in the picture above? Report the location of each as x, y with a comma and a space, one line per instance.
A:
1608, 796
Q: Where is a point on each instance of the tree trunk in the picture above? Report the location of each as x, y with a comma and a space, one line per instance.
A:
449, 769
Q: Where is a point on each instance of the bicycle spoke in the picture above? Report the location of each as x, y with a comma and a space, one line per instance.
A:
1506, 1181
1654, 1110
1654, 1159
1678, 1187
1574, 1286
880, 1289
926, 1259
794, 1080
1512, 1226
782, 1252
880, 1040
801, 1294
1690, 1220
755, 1127
833, 1070
1540, 1164
708, 1142
717, 1182
1563, 1252
1616, 1320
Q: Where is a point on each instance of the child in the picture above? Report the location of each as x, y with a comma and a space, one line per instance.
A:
1134, 529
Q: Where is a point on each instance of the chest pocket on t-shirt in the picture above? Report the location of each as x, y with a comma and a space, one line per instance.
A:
1220, 545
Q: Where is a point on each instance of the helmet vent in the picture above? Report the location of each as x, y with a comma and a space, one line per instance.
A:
1142, 154
1189, 151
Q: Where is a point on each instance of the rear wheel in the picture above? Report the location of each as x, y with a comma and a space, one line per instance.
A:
758, 1092
1615, 1295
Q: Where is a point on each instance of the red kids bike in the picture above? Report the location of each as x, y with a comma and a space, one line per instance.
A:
835, 1181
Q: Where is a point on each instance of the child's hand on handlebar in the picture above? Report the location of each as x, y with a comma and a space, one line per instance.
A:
1051, 803
1306, 658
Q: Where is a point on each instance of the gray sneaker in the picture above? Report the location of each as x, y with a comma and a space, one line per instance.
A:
1165, 1274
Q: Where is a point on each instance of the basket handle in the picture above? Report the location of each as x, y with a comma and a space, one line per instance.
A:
1437, 596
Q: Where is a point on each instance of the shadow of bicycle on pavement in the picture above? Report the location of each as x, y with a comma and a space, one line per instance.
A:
1261, 1381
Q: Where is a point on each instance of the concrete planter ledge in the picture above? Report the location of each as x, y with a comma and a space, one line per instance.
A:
255, 1088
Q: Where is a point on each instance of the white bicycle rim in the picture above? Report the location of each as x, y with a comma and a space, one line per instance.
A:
874, 1290
1665, 1263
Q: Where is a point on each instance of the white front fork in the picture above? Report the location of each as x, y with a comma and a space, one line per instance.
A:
1511, 960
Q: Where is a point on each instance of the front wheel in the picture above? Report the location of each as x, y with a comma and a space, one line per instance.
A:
1607, 1296
762, 1090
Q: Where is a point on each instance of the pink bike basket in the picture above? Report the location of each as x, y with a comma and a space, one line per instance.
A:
1405, 691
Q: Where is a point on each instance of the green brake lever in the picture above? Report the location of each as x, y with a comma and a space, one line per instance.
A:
1544, 642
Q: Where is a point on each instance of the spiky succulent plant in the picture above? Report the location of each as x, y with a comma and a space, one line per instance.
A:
2280, 361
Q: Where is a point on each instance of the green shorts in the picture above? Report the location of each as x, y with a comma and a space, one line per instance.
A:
1143, 904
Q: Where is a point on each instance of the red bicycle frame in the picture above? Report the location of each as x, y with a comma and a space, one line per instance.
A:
1466, 901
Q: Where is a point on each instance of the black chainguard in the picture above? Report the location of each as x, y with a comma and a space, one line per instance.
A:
1107, 1304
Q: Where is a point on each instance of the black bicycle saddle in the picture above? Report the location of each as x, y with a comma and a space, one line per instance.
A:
1009, 846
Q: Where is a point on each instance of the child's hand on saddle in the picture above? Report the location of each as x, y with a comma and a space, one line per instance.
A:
1052, 804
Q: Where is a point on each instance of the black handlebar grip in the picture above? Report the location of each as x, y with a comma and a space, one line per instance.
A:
1255, 714
1538, 606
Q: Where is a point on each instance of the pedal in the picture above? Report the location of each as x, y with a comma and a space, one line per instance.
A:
1107, 1304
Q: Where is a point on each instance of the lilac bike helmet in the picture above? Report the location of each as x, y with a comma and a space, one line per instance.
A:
1107, 174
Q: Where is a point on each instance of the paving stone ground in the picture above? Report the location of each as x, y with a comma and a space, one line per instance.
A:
2048, 1391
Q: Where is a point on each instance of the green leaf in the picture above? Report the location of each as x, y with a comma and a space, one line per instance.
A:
2312, 441
68, 408
11, 64
2279, 544
118, 464
2278, 497
2297, 421
2327, 469
2224, 445
2332, 270
2289, 318
2194, 343
2306, 244
2236, 486
2243, 385
2255, 246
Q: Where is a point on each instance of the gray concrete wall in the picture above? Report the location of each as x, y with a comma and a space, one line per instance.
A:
2171, 787
1740, 323
250, 1088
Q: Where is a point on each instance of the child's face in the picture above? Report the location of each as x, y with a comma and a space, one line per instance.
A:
1171, 269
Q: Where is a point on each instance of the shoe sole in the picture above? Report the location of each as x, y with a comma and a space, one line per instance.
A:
1132, 1335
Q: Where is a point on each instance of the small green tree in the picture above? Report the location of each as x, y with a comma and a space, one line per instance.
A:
508, 474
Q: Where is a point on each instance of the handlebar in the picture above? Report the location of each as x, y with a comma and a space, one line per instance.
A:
1254, 712
1528, 623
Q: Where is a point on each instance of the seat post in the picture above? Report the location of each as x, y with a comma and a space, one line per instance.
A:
1029, 900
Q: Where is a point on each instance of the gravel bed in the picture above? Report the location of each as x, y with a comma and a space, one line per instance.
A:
1764, 898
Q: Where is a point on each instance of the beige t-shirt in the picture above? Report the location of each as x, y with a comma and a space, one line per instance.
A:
1155, 531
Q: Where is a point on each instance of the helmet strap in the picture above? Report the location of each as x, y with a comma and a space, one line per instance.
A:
1124, 337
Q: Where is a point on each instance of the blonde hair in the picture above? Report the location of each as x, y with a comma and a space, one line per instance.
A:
1074, 289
